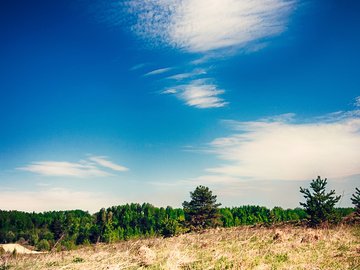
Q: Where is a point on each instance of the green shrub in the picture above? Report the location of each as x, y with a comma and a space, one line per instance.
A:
68, 244
169, 227
4, 267
43, 245
78, 260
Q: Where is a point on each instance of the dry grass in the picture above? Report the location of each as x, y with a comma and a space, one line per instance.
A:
235, 248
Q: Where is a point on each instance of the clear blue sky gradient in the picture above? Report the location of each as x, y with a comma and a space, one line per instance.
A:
69, 91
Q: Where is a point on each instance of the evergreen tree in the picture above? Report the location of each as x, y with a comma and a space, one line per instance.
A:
169, 227
202, 211
227, 218
356, 201
319, 205
57, 228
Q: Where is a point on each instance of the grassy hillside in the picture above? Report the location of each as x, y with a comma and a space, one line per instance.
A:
234, 248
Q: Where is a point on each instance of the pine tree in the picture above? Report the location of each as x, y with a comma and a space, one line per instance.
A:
319, 205
202, 211
356, 201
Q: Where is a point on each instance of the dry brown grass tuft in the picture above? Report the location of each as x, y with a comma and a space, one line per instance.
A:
235, 248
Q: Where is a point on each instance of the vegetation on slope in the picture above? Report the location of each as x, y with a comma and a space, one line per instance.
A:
245, 247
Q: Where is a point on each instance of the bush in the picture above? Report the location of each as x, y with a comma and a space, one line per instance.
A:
78, 260
4, 267
169, 227
34, 239
68, 244
10, 237
22, 241
43, 245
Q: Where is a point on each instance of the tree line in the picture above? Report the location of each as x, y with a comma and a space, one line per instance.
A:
64, 230
77, 227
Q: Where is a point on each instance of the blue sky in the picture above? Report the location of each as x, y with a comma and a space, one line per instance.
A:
108, 102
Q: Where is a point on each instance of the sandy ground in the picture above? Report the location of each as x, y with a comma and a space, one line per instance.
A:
19, 249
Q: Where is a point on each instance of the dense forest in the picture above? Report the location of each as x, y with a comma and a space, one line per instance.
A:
67, 229
64, 230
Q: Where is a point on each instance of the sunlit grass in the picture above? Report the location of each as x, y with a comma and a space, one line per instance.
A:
236, 248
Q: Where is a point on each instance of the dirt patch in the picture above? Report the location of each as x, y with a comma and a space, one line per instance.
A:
19, 249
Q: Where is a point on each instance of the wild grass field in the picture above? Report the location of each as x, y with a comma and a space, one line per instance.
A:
235, 248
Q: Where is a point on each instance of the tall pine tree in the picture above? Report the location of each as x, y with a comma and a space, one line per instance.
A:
202, 211
319, 205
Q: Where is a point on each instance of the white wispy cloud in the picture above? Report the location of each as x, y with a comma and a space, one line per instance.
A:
214, 28
194, 73
198, 93
158, 71
103, 161
83, 168
281, 149
357, 101
63, 168
138, 66
50, 199
206, 25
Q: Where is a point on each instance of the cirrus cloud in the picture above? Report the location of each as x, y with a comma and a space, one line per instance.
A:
199, 93
207, 25
92, 167
158, 71
105, 162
